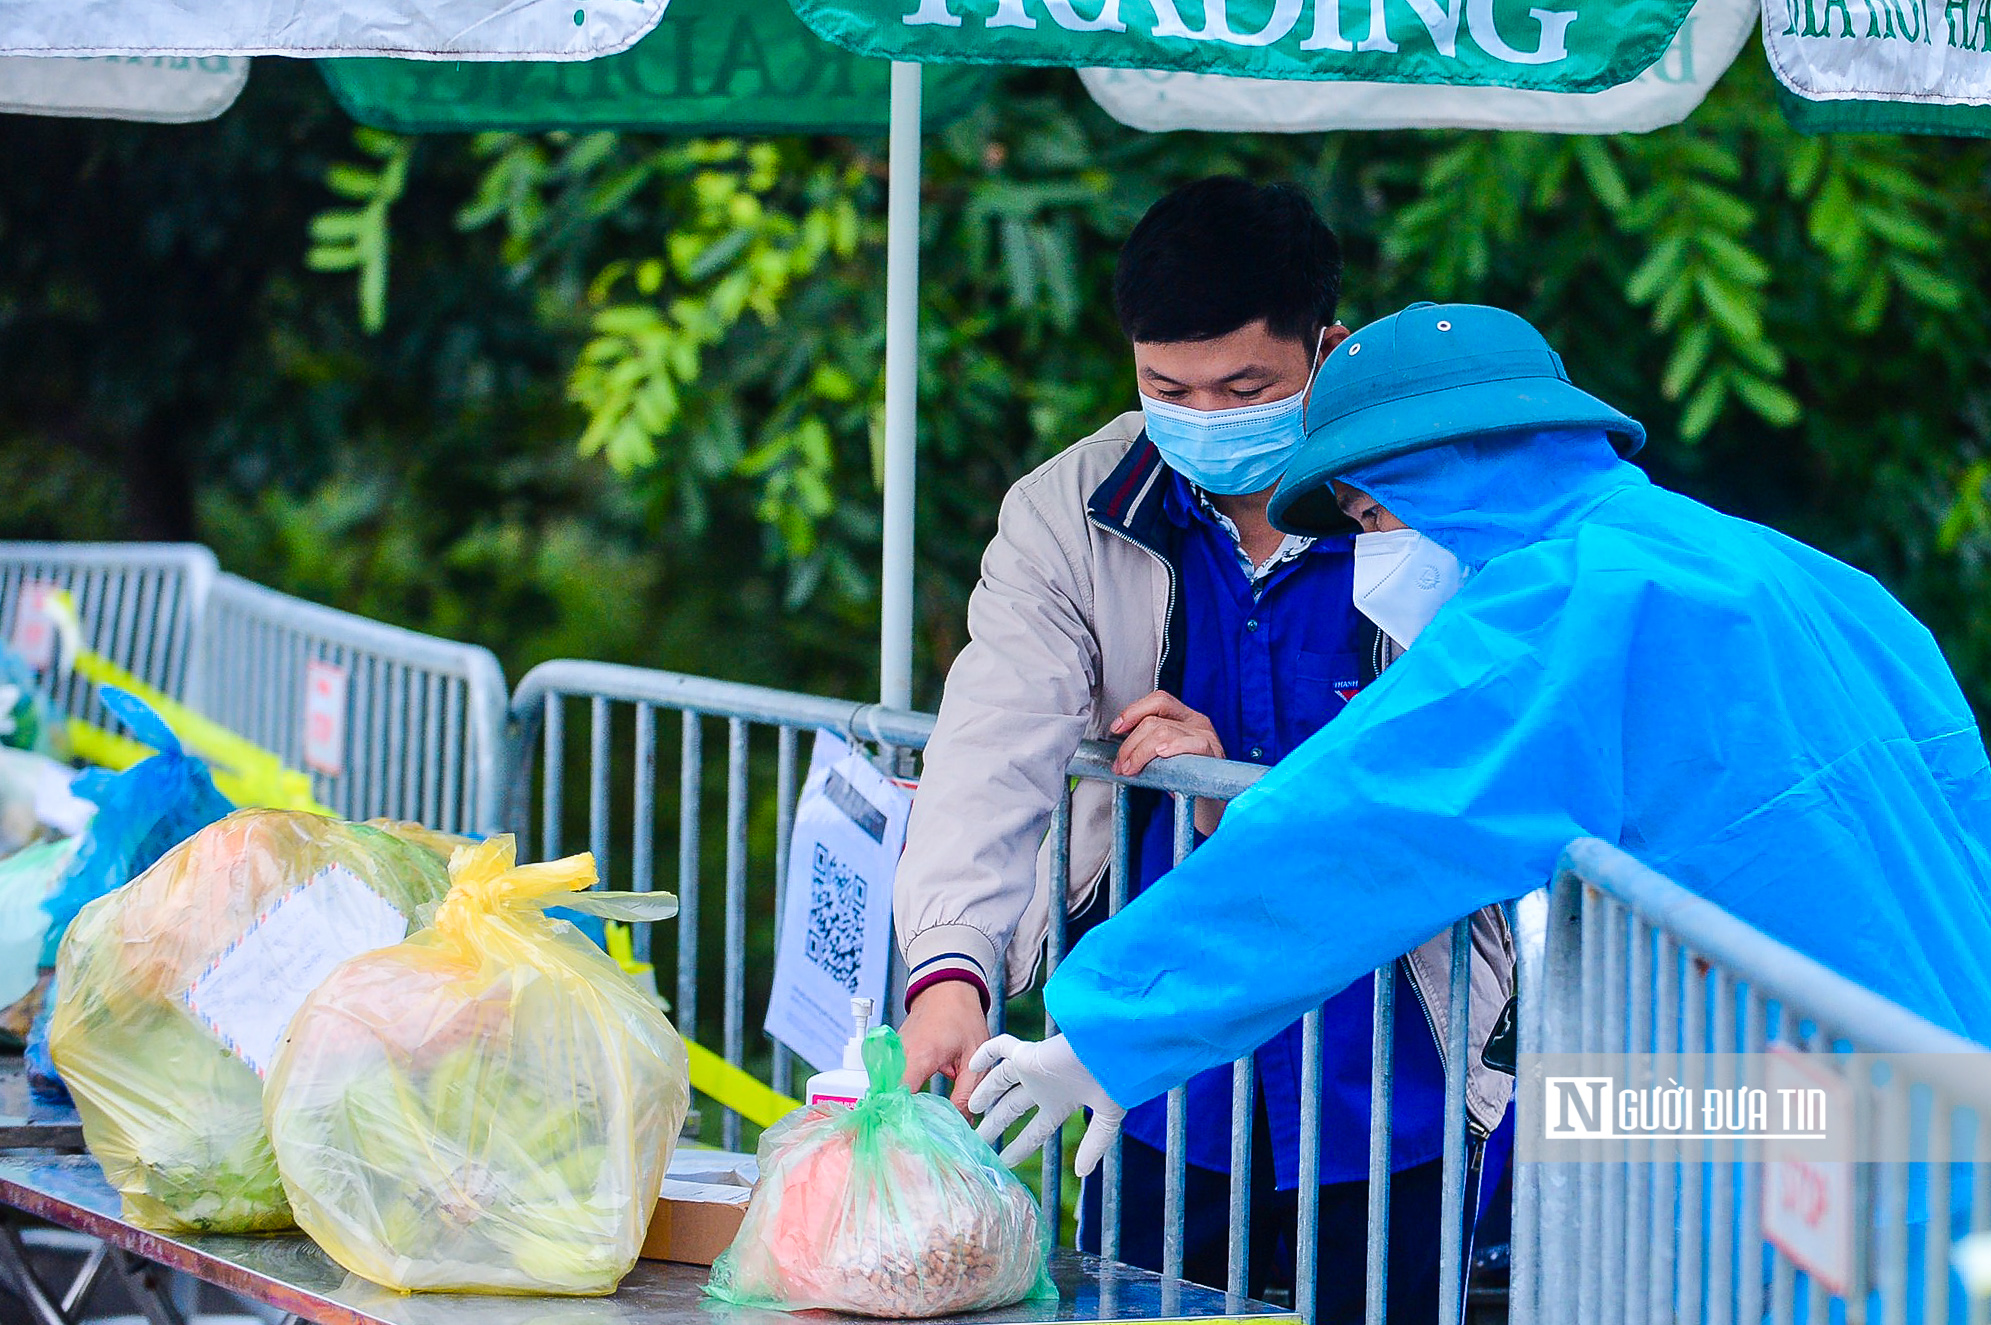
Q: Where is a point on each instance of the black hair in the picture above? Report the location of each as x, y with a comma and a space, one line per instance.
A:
1223, 252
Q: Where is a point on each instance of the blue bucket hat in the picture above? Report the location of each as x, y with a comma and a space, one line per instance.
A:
1431, 374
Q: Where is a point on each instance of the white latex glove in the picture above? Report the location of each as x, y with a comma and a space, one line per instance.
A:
1047, 1077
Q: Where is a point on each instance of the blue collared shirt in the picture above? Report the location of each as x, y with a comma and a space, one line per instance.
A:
1270, 655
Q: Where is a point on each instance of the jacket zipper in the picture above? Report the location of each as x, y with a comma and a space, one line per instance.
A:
1423, 1004
1161, 659
1431, 1024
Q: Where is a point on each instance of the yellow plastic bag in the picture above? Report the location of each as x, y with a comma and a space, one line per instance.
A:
421, 835
489, 1106
174, 990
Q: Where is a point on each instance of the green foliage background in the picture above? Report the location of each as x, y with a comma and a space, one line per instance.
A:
618, 396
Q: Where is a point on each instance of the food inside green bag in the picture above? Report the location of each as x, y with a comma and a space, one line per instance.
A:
892, 1207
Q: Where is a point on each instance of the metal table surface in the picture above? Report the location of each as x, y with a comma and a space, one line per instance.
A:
26, 1122
290, 1273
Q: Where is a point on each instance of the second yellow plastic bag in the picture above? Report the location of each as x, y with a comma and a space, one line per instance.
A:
489, 1106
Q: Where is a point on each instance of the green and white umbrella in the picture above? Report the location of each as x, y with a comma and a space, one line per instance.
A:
159, 89
1894, 65
710, 67
1901, 66
1709, 39
410, 29
1587, 46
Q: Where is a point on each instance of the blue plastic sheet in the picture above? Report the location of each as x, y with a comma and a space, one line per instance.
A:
142, 813
1762, 723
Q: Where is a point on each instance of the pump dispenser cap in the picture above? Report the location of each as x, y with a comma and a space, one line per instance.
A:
853, 1050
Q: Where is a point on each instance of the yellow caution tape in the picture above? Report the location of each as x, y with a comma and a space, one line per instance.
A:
737, 1090
117, 752
243, 771
711, 1075
622, 949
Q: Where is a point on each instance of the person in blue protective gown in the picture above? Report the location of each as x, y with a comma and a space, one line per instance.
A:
1758, 721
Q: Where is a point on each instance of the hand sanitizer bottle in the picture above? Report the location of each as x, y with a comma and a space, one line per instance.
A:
846, 1084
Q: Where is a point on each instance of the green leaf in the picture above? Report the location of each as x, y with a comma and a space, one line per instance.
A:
1690, 354
1770, 402
1734, 310
1737, 263
1662, 267
1704, 407
352, 182
337, 226
1901, 230
1927, 285
327, 257
1606, 181
1968, 513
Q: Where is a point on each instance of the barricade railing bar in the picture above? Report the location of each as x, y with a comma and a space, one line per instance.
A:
629, 807
389, 722
140, 605
1632, 964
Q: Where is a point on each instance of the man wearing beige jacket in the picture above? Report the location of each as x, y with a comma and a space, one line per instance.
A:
1136, 589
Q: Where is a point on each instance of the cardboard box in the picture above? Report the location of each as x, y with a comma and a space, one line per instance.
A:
699, 1210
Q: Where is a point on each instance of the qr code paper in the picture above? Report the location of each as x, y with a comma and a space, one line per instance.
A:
836, 918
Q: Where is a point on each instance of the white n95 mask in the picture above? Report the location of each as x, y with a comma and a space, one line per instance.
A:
1402, 578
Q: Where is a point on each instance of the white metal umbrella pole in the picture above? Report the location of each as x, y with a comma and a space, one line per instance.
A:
895, 615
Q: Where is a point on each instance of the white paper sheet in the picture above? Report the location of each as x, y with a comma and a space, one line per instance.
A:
249, 993
836, 923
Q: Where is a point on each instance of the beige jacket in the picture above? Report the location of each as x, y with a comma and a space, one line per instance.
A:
1068, 626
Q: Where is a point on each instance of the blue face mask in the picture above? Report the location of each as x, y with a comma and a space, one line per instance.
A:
1228, 451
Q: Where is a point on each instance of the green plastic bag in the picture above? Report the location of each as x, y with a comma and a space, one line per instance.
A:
891, 1207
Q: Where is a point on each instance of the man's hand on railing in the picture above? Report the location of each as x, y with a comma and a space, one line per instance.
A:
1047, 1077
943, 1028
1160, 726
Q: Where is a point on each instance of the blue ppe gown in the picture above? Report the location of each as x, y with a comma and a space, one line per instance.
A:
1746, 715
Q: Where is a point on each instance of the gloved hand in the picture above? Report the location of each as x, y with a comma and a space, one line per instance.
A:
1048, 1077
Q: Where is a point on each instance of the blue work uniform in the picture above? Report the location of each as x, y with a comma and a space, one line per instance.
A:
1739, 711
1269, 664
1269, 659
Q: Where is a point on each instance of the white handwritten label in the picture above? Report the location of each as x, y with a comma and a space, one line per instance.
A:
34, 629
325, 718
248, 994
1808, 1203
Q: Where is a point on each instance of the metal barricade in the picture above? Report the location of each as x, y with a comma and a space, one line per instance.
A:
626, 818
140, 605
387, 721
1619, 960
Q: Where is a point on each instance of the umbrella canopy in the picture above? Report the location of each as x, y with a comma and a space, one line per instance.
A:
411, 29
711, 66
1588, 47
1883, 65
1709, 39
157, 89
